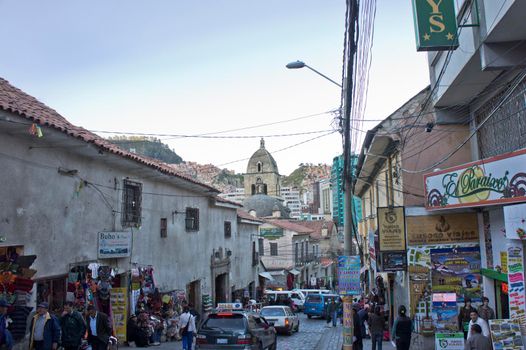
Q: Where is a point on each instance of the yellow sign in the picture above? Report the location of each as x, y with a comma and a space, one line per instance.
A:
119, 308
391, 229
504, 262
442, 229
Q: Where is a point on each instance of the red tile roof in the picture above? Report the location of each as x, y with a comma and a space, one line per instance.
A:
317, 226
245, 215
289, 225
16, 101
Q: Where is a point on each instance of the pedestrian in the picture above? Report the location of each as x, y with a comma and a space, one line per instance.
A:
6, 339
477, 341
73, 327
357, 337
376, 324
485, 311
99, 329
475, 319
44, 330
332, 312
363, 315
402, 328
464, 316
187, 321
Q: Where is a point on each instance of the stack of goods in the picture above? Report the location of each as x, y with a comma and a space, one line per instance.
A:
207, 303
15, 286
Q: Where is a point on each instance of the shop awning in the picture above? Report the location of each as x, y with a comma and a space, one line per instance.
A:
267, 276
499, 276
294, 272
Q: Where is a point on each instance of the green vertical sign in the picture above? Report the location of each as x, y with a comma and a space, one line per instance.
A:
435, 25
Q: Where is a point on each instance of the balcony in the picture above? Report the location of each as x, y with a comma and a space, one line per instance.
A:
307, 259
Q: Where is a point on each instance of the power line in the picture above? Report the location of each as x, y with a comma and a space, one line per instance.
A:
205, 136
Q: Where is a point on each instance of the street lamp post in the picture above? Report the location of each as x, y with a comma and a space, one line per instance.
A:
301, 64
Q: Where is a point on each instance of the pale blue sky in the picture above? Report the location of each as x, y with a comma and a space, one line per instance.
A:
202, 66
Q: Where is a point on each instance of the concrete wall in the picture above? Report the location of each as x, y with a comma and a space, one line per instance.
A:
58, 217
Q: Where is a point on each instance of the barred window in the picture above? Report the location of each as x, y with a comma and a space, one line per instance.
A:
273, 249
164, 228
228, 229
131, 203
192, 219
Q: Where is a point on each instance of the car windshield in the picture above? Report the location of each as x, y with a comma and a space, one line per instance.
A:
272, 311
225, 322
313, 298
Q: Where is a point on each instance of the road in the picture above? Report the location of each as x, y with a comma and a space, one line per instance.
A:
307, 338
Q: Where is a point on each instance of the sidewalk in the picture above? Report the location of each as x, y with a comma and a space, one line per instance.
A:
332, 339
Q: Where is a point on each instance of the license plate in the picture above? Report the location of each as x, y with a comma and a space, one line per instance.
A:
222, 341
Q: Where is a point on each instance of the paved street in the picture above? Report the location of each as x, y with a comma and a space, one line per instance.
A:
313, 335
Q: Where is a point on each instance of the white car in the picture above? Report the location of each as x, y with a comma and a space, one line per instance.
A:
278, 295
284, 320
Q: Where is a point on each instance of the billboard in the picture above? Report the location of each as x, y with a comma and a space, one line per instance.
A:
114, 244
391, 229
349, 275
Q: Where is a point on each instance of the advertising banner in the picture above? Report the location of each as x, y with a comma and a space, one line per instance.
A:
435, 25
394, 261
442, 229
114, 244
349, 275
496, 180
505, 335
445, 308
449, 341
515, 219
391, 229
516, 291
457, 270
271, 232
119, 310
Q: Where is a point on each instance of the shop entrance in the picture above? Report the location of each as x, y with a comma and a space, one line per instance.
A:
193, 292
502, 298
221, 288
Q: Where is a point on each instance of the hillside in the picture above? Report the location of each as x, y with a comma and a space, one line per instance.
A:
305, 175
223, 179
147, 146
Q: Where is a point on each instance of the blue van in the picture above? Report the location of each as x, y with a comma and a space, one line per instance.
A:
316, 304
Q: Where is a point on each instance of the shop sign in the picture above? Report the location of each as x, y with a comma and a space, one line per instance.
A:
372, 249
445, 308
394, 261
349, 275
391, 228
449, 341
119, 308
114, 244
504, 262
442, 229
271, 232
516, 287
506, 334
435, 25
515, 219
457, 270
496, 180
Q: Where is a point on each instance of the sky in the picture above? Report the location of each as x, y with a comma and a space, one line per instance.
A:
177, 67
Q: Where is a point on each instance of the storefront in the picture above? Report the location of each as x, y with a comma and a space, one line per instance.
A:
497, 188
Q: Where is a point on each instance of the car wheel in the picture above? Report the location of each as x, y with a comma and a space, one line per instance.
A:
290, 331
298, 327
309, 316
275, 345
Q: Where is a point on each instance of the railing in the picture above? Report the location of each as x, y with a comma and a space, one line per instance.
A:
306, 259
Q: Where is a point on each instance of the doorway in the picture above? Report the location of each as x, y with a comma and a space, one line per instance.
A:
221, 288
193, 294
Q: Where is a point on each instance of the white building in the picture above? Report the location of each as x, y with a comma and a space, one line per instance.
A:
291, 195
237, 196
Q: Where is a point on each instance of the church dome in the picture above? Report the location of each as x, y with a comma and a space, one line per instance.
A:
262, 161
265, 206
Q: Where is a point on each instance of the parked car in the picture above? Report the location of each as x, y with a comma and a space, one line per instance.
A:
240, 330
280, 296
285, 321
316, 304
313, 291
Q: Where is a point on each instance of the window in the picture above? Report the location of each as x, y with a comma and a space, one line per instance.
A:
261, 246
273, 249
296, 252
192, 219
260, 167
228, 229
131, 203
302, 251
255, 255
164, 228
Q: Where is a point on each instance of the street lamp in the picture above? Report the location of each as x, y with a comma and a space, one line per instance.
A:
301, 64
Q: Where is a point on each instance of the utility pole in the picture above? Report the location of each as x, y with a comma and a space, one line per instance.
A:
351, 21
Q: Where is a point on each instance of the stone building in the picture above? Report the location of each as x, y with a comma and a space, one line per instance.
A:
262, 176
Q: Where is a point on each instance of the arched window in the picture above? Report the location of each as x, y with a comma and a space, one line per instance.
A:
260, 167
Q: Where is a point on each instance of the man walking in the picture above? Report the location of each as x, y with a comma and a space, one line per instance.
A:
99, 329
45, 330
73, 327
475, 319
187, 322
477, 341
6, 339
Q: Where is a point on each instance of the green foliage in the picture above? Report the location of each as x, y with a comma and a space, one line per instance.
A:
147, 146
